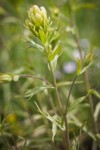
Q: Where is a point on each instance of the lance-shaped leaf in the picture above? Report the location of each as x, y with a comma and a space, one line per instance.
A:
79, 66
31, 92
97, 111
75, 104
77, 122
54, 119
53, 55
67, 83
54, 129
43, 37
33, 44
56, 52
98, 135
53, 36
96, 93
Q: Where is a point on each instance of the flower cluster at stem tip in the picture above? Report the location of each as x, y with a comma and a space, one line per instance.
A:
41, 27
37, 20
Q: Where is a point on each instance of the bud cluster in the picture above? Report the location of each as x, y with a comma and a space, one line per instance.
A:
83, 65
37, 20
41, 26
8, 78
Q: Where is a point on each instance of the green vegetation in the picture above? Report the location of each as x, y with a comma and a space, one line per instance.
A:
49, 75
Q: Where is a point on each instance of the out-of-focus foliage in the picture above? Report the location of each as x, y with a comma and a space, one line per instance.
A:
20, 124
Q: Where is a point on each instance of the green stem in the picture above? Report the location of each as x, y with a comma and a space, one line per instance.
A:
68, 98
66, 133
56, 89
65, 115
34, 77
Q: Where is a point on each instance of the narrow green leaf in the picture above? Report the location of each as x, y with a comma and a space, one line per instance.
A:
82, 66
56, 52
54, 119
42, 36
54, 63
85, 68
79, 66
64, 83
78, 123
75, 104
53, 56
98, 135
40, 111
96, 94
97, 111
33, 44
51, 36
31, 92
57, 120
54, 129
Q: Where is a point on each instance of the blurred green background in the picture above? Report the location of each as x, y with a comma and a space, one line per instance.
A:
20, 116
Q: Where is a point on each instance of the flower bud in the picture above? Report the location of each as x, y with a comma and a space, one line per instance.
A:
35, 9
32, 12
37, 16
15, 78
43, 12
38, 23
8, 78
38, 19
5, 78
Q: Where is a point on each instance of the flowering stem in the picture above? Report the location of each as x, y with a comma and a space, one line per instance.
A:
65, 115
68, 98
66, 133
56, 89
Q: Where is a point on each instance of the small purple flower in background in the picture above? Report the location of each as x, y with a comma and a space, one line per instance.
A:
69, 67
